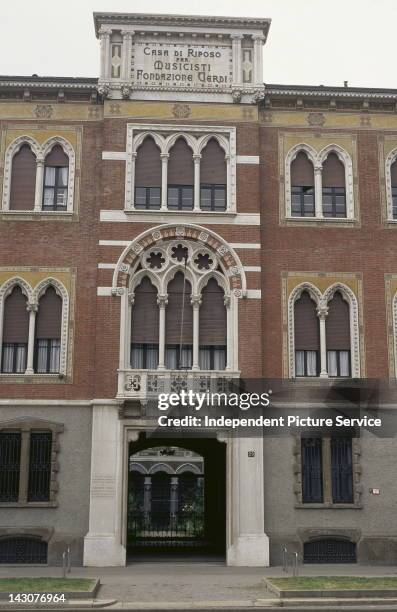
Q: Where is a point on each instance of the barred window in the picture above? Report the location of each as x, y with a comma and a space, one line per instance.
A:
26, 462
327, 470
23, 550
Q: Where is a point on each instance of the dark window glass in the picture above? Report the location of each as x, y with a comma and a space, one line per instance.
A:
23, 550
306, 363
144, 356
14, 356
338, 363
312, 472
47, 355
148, 198
212, 357
342, 470
177, 359
302, 204
10, 461
213, 197
334, 202
180, 197
55, 188
39, 467
394, 198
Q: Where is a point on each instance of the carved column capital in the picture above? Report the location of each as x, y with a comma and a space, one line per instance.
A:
322, 311
32, 306
162, 301
195, 301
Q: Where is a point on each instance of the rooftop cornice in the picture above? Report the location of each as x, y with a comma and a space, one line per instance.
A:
321, 91
203, 21
47, 82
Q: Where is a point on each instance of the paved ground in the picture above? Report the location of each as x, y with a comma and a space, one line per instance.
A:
186, 581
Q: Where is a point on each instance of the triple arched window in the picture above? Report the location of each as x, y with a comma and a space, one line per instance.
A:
179, 310
39, 177
32, 330
324, 333
180, 171
319, 184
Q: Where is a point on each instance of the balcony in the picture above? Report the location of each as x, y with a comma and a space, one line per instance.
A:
147, 384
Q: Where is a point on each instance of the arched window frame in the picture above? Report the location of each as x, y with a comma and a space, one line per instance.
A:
194, 238
196, 138
318, 158
390, 159
322, 300
40, 151
33, 296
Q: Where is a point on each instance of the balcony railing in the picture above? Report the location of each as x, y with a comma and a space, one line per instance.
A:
146, 384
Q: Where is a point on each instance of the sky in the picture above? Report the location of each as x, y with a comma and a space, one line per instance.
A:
311, 42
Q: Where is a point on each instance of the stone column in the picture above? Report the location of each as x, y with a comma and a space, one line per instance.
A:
126, 65
236, 57
318, 190
104, 35
103, 542
197, 159
196, 303
322, 312
38, 195
130, 169
32, 309
164, 180
248, 544
228, 183
162, 301
258, 62
174, 496
229, 332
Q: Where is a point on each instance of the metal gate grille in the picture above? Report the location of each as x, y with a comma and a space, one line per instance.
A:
329, 551
10, 459
184, 530
23, 550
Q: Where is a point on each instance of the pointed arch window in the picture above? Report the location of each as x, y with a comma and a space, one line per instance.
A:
48, 333
23, 179
213, 177
338, 337
212, 335
302, 186
179, 324
393, 178
145, 327
148, 176
307, 337
15, 333
56, 177
333, 187
180, 177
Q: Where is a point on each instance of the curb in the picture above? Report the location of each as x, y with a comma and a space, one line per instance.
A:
77, 595
342, 594
74, 604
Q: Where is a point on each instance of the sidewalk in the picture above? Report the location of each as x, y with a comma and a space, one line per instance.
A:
183, 585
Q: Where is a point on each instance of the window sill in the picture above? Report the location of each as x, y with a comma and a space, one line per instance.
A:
32, 378
48, 504
34, 215
329, 506
321, 220
159, 211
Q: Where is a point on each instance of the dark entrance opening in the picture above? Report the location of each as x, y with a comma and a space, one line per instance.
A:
176, 498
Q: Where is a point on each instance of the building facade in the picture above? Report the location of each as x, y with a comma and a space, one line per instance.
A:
178, 223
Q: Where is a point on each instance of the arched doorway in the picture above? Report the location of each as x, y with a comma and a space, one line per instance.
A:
176, 497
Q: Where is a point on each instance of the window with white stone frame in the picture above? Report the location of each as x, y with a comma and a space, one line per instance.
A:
323, 332
39, 178
180, 168
319, 184
33, 327
391, 185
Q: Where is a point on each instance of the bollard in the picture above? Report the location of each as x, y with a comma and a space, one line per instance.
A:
69, 561
285, 559
64, 565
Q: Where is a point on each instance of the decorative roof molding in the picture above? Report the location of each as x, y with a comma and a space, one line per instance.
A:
48, 82
330, 92
185, 20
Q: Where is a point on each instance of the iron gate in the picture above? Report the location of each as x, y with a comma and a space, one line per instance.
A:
163, 530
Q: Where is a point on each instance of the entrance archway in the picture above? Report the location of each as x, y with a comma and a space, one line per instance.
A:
176, 500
